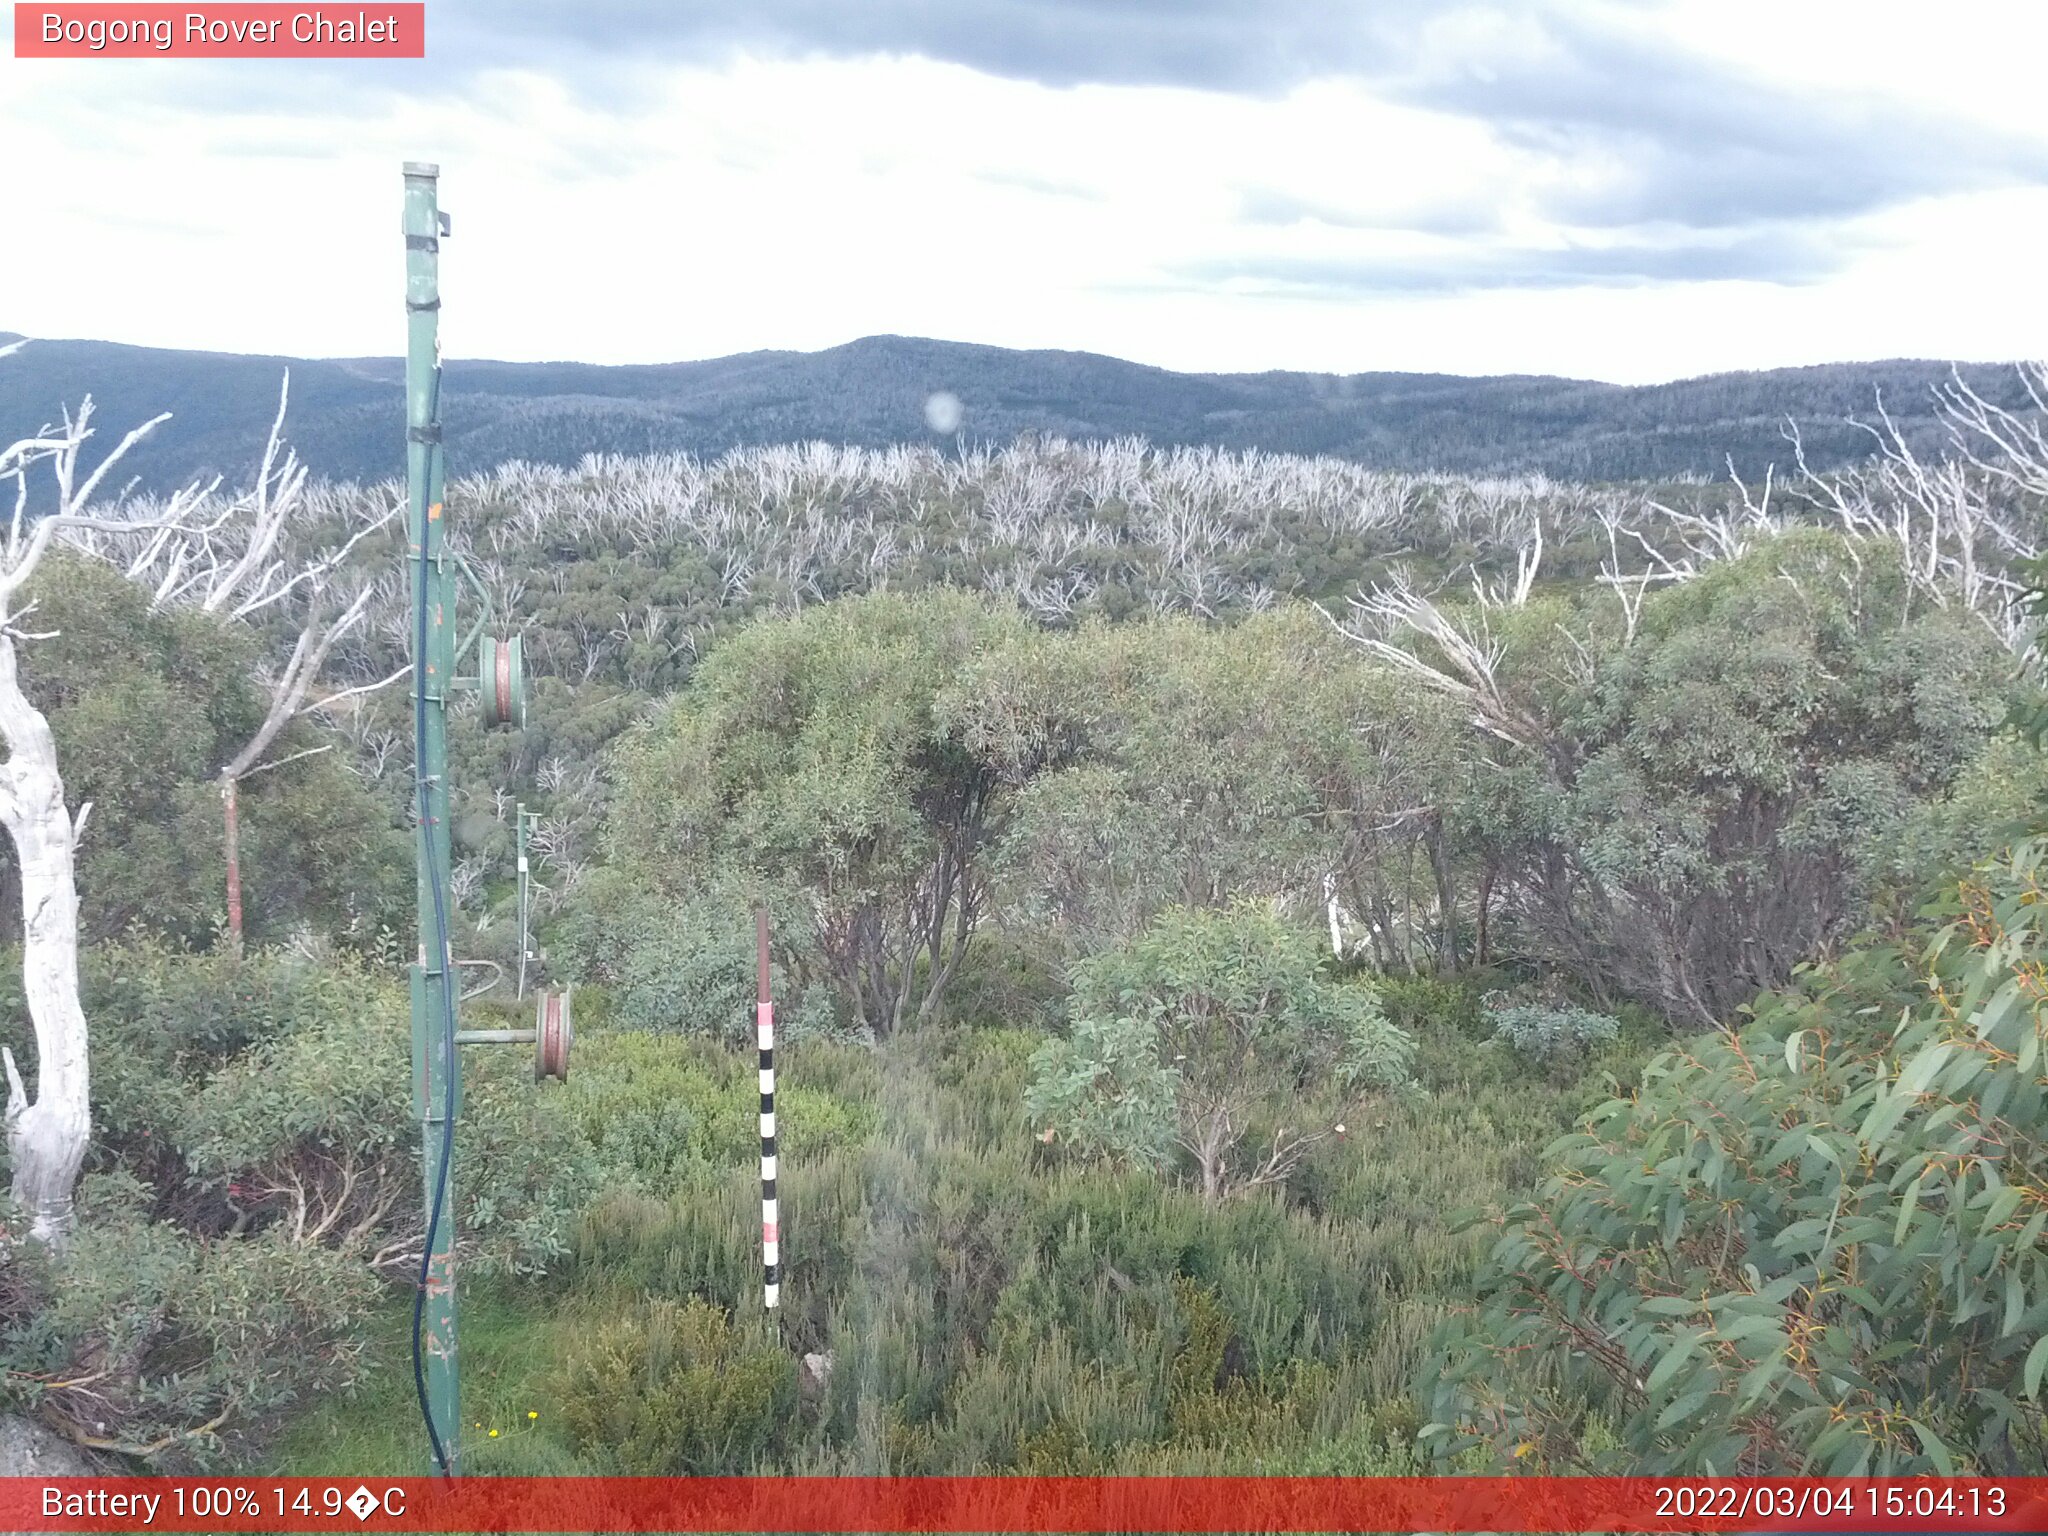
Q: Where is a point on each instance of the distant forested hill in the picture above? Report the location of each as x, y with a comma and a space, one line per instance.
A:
345, 415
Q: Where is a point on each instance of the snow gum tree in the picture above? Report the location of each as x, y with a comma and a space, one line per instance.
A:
48, 1133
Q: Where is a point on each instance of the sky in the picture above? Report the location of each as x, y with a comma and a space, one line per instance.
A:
1631, 191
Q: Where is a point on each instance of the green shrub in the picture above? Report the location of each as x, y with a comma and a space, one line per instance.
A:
680, 967
657, 1110
1008, 979
811, 761
675, 1389
143, 1340
1721, 798
1204, 1031
273, 1095
163, 1021
146, 704
1810, 1243
1104, 1091
314, 1136
1431, 1003
1552, 1034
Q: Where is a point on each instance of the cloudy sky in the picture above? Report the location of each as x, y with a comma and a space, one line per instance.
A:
1630, 191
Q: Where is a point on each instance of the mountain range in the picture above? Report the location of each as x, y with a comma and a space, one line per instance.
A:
347, 413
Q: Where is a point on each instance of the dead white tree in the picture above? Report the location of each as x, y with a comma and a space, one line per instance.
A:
288, 691
47, 1134
1461, 656
1528, 560
2010, 447
1629, 590
222, 557
1955, 543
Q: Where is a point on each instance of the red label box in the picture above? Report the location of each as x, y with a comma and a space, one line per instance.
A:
937, 1506
373, 30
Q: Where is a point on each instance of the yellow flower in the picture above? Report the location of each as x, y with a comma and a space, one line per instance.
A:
1524, 1449
533, 1413
494, 1434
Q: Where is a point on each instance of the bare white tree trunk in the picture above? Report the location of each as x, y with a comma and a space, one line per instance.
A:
46, 1136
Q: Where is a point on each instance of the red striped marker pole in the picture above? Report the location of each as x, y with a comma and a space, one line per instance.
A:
764, 1029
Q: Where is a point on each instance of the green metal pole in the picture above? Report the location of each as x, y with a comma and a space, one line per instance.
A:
525, 947
435, 1077
525, 898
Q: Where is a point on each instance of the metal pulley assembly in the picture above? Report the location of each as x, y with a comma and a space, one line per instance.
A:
552, 1032
552, 1036
501, 680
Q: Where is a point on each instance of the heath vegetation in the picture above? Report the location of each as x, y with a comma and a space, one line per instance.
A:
1285, 967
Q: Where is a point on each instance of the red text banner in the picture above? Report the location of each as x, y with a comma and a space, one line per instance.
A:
215, 31
1020, 1504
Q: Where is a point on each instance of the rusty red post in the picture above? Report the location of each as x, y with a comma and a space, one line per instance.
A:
230, 804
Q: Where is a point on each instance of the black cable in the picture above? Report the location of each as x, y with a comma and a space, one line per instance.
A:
422, 793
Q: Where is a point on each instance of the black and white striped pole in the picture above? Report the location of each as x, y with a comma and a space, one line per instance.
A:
764, 1030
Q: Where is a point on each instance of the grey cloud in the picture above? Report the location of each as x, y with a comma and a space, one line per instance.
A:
606, 49
1694, 141
1043, 186
1774, 256
1443, 216
1590, 83
1643, 132
1224, 45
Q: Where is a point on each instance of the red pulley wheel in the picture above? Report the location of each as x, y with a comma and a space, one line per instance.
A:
503, 681
552, 1034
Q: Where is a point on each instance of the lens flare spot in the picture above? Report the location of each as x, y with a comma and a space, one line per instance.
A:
943, 411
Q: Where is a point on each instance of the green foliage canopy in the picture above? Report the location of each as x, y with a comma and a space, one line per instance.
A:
1196, 1036
1166, 762
1810, 1243
1717, 798
146, 707
807, 761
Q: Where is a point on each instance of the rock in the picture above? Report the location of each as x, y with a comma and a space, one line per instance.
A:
817, 1370
29, 1450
